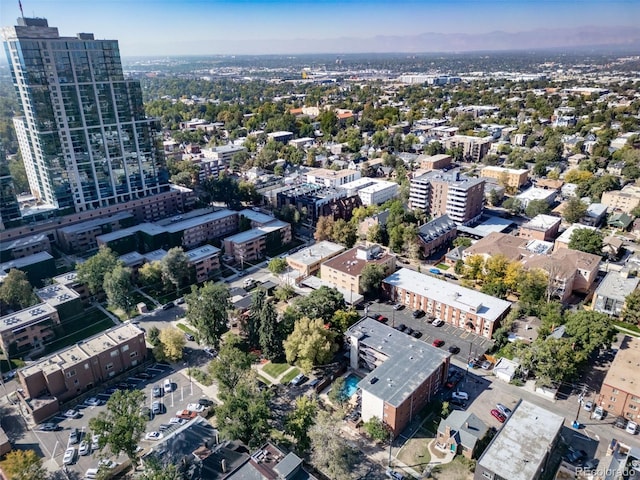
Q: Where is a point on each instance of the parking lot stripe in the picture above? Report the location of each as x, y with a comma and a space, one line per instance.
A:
465, 334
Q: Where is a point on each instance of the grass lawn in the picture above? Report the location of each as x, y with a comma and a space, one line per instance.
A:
185, 328
459, 469
293, 373
627, 326
443, 266
264, 379
276, 369
415, 452
90, 323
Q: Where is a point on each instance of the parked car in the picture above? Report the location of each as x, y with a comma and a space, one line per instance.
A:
84, 448
418, 313
438, 343
599, 413
394, 475
157, 408
210, 351
620, 422
458, 403
180, 301
398, 306
69, 456
298, 380
176, 421
168, 306
437, 322
416, 334
93, 402
498, 415
157, 391
153, 436
95, 441
450, 276
382, 318
409, 331
248, 282
575, 457
205, 402
168, 386
189, 337
435, 271
195, 407
186, 414
460, 395
506, 411
402, 327
454, 349
486, 365
632, 427
106, 463
72, 414
49, 427
74, 436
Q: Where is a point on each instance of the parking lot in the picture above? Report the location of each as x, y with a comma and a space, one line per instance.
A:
470, 344
53, 444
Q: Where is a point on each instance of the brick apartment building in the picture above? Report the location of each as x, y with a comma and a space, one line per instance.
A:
28, 329
463, 307
254, 244
513, 178
402, 374
541, 227
620, 391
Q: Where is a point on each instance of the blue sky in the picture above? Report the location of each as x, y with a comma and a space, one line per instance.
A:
164, 27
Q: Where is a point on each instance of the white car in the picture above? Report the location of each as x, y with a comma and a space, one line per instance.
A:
69, 455
248, 282
632, 428
84, 448
107, 463
93, 402
153, 436
168, 386
176, 421
460, 396
72, 414
437, 322
95, 442
506, 411
195, 407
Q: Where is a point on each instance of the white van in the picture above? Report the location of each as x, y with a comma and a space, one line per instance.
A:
91, 474
460, 396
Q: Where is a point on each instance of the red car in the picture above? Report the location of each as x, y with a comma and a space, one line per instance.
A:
437, 342
382, 318
498, 415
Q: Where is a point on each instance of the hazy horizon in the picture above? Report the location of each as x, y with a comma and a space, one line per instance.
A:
264, 27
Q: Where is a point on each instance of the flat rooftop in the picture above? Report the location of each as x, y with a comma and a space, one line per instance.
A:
148, 228
542, 222
68, 278
256, 217
465, 299
489, 225
316, 252
197, 221
131, 258
201, 253
565, 237
25, 261
522, 443
23, 242
57, 294
410, 361
154, 256
258, 232
623, 372
94, 223
34, 314
616, 286
535, 193
352, 264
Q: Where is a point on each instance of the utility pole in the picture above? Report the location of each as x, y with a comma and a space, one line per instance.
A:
576, 423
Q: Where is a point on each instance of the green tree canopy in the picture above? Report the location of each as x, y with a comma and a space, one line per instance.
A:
207, 311
377, 429
175, 266
277, 265
92, 272
590, 330
121, 424
300, 420
586, 240
536, 207
631, 311
343, 319
23, 465
231, 366
117, 286
310, 344
321, 303
16, 291
371, 278
329, 451
574, 210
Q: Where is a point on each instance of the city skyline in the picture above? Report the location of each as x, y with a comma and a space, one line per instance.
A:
198, 27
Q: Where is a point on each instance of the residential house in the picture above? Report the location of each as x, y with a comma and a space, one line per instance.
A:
612, 292
565, 238
461, 433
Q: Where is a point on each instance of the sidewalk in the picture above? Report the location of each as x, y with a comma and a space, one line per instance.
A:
273, 380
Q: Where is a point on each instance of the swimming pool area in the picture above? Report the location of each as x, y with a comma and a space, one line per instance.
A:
350, 385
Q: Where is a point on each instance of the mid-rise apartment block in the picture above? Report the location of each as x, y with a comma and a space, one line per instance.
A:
510, 177
402, 374
254, 244
28, 329
81, 237
623, 200
23, 247
541, 227
205, 262
620, 391
439, 193
434, 162
462, 307
84, 137
331, 178
372, 191
612, 292
344, 271
473, 148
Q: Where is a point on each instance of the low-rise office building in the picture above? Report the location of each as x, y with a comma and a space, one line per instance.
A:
308, 260
254, 244
610, 295
28, 329
463, 307
522, 448
79, 368
402, 374
345, 270
620, 391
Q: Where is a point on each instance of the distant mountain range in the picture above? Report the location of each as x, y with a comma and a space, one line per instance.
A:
627, 38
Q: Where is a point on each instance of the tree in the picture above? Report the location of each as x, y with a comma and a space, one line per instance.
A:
343, 319
375, 234
300, 420
16, 291
154, 470
337, 393
284, 292
328, 123
590, 330
172, 343
578, 176
552, 359
377, 429
310, 344
207, 311
445, 409
121, 424
459, 267
586, 240
462, 242
494, 198
324, 228
245, 414
513, 205
536, 207
92, 272
231, 365
117, 286
277, 265
150, 274
574, 210
474, 267
153, 336
23, 465
251, 324
371, 278
631, 310
329, 451
175, 266
269, 333
321, 303
345, 233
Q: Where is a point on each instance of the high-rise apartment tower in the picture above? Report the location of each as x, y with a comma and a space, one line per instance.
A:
83, 135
